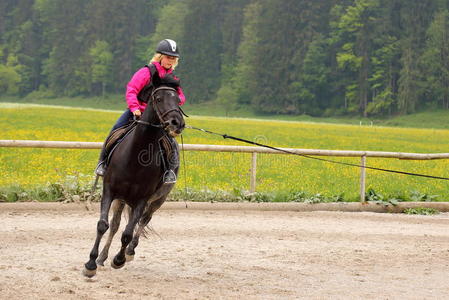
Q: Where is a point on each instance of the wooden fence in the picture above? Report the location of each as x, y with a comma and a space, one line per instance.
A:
245, 149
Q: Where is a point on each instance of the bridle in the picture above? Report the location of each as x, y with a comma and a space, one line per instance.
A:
159, 114
155, 107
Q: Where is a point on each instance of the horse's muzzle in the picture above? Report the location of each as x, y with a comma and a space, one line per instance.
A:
174, 126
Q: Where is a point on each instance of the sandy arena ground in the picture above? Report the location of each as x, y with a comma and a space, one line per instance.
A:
229, 255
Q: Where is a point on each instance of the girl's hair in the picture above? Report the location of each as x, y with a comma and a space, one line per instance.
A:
158, 57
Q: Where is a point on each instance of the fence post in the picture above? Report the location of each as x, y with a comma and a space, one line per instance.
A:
362, 178
252, 187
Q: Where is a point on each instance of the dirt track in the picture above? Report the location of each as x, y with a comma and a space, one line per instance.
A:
229, 254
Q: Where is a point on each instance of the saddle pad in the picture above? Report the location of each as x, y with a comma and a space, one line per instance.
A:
117, 135
167, 145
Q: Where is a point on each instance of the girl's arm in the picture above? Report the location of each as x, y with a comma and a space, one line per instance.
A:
182, 98
135, 85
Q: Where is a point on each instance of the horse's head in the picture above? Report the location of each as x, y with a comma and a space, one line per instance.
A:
165, 103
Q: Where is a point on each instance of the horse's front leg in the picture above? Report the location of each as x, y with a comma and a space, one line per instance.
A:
90, 268
119, 260
146, 218
117, 208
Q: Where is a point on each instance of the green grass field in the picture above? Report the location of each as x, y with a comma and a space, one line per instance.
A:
437, 119
229, 171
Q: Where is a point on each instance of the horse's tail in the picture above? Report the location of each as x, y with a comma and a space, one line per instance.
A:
146, 230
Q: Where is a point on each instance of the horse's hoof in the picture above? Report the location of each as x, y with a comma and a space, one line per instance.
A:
129, 257
89, 273
117, 266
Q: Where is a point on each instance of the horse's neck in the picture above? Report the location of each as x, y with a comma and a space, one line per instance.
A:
149, 115
145, 133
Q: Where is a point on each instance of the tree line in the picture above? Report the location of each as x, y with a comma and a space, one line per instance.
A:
322, 58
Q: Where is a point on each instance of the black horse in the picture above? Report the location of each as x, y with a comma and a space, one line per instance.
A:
134, 176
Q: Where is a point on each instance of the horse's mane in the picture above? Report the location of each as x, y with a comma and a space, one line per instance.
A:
168, 80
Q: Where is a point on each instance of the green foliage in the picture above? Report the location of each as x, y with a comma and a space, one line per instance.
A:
9, 80
435, 60
421, 211
72, 188
383, 74
312, 84
201, 49
201, 195
418, 197
169, 25
313, 198
354, 57
227, 97
102, 60
408, 92
410, 83
375, 197
415, 196
76, 188
245, 74
42, 93
354, 37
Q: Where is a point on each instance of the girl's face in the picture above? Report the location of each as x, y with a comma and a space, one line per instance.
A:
168, 61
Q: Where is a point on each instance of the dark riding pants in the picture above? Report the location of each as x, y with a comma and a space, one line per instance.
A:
124, 119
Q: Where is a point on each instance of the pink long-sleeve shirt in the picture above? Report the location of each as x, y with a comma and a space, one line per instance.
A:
138, 82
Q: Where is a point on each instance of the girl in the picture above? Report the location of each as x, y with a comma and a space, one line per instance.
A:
165, 61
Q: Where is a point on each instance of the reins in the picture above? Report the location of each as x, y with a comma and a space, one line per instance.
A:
225, 136
148, 123
184, 169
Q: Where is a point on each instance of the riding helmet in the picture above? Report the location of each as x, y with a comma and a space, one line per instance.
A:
168, 47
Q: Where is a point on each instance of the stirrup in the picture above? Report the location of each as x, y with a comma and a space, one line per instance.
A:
169, 177
101, 168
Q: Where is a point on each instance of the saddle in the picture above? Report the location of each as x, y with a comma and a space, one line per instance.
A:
167, 144
116, 137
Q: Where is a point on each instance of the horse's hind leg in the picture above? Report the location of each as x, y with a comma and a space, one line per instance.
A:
146, 217
90, 268
119, 260
144, 220
117, 208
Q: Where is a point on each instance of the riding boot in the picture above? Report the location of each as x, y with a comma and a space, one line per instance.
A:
124, 120
172, 163
101, 166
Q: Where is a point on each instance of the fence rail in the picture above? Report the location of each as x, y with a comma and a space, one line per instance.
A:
246, 149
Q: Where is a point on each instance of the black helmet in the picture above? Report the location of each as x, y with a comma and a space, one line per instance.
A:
168, 47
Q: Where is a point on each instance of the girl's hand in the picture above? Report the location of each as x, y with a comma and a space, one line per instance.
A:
137, 113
